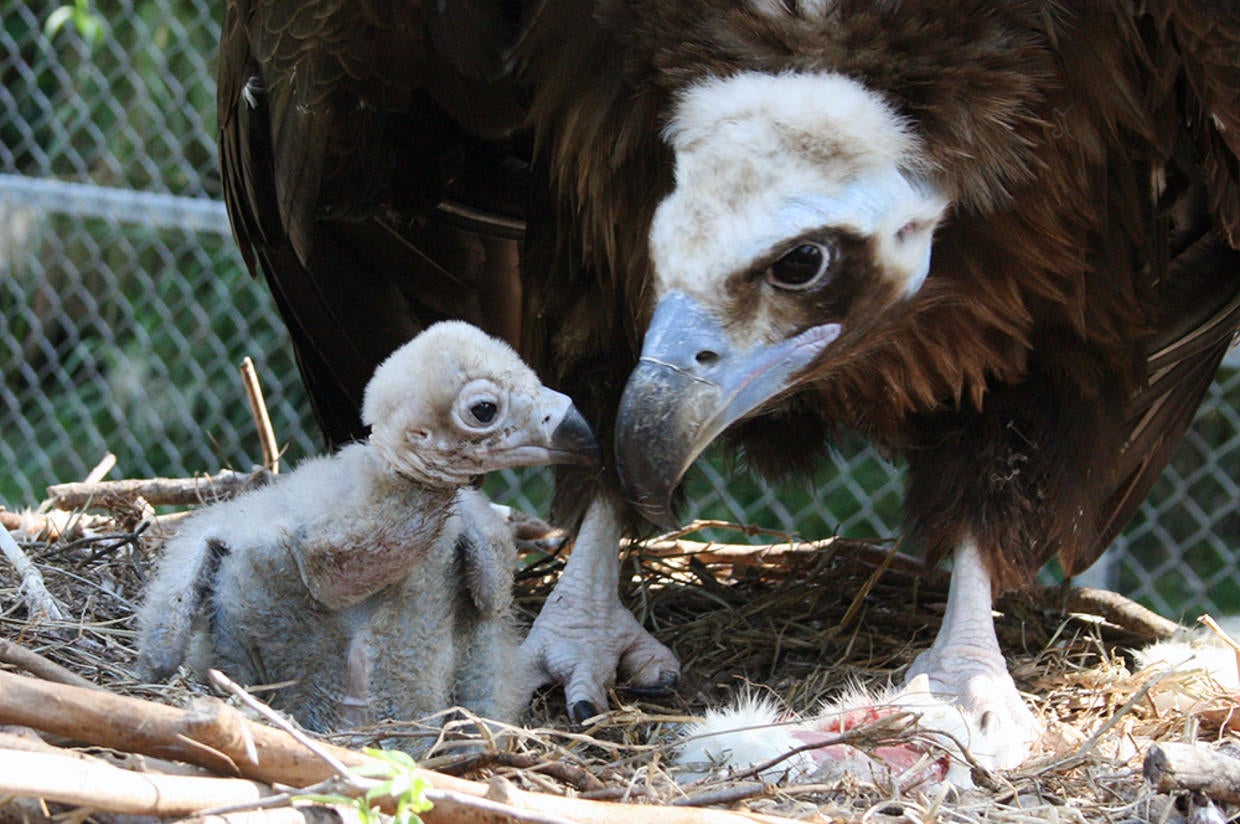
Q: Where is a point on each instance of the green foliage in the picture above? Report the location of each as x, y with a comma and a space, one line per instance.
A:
83, 18
397, 779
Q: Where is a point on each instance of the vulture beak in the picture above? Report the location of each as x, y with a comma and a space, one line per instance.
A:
690, 384
570, 439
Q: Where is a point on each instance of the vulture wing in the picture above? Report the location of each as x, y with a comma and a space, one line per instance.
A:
1199, 291
1208, 35
343, 124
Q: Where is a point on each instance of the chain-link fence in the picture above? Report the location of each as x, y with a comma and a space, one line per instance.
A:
127, 311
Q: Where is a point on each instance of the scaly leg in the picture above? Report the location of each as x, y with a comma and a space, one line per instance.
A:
959, 689
584, 635
965, 667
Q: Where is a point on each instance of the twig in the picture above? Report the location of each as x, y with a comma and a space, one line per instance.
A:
51, 526
39, 602
497, 809
867, 587
278, 815
156, 491
766, 553
745, 529
1083, 751
580, 779
262, 420
36, 664
1214, 627
723, 795
228, 685
101, 470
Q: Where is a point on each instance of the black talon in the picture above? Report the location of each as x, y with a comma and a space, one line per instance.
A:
668, 679
579, 712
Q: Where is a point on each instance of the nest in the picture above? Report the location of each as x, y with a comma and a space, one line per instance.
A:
797, 621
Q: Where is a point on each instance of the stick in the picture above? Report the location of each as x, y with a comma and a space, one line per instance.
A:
258, 408
760, 553
156, 491
1173, 766
277, 815
36, 664
69, 780
1118, 610
225, 683
216, 736
211, 734
101, 470
39, 602
50, 526
1214, 627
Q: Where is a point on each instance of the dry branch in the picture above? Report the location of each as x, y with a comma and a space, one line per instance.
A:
217, 736
721, 552
1118, 610
211, 734
101, 470
262, 420
101, 786
36, 664
39, 602
1172, 766
156, 491
314, 814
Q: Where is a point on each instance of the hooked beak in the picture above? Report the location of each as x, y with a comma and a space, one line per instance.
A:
572, 441
690, 384
553, 432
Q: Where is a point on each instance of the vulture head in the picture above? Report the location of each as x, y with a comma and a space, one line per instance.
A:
802, 208
455, 403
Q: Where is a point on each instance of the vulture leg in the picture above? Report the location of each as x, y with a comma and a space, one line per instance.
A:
584, 635
965, 667
959, 690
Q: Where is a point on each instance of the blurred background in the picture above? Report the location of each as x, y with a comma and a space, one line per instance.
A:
127, 311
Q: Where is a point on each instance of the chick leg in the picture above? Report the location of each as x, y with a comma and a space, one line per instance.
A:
964, 667
584, 635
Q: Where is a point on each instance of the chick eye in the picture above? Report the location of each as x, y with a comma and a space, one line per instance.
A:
800, 267
484, 411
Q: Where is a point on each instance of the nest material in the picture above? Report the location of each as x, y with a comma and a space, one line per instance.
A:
800, 622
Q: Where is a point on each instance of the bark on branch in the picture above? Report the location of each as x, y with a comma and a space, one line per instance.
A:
70, 780
156, 491
39, 602
218, 737
1172, 766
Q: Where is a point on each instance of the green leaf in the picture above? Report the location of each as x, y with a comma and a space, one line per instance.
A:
56, 21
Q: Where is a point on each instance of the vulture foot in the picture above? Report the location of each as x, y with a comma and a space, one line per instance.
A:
995, 726
584, 636
583, 643
965, 668
958, 696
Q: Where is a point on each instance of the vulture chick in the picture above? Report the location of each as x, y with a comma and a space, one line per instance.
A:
374, 583
998, 239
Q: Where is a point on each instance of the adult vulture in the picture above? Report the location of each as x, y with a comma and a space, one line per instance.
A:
997, 238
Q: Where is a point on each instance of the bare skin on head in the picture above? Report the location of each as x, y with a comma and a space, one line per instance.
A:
376, 581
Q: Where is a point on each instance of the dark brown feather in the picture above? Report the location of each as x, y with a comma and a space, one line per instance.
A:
1037, 384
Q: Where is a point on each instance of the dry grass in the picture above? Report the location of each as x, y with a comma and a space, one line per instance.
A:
800, 622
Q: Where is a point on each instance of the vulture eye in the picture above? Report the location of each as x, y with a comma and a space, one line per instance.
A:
480, 407
800, 268
484, 411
